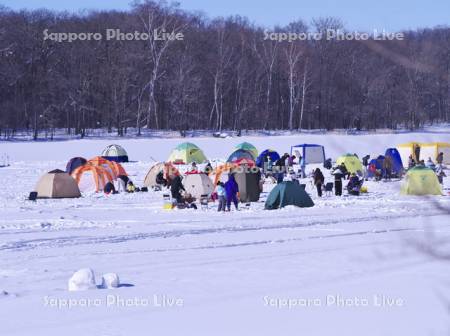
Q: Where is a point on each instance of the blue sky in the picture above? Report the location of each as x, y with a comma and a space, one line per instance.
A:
356, 14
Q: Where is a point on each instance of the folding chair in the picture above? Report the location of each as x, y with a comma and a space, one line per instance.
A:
204, 202
329, 188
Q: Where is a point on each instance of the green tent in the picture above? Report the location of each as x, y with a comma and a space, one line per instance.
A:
288, 193
185, 153
249, 148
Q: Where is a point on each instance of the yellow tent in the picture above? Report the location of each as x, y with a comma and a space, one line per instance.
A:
431, 150
421, 181
351, 162
407, 149
425, 150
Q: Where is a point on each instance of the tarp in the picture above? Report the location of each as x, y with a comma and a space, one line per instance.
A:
288, 193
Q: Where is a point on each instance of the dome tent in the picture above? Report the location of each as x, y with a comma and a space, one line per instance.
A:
397, 164
91, 178
288, 193
421, 181
198, 184
186, 152
115, 153
351, 162
168, 170
74, 163
249, 148
240, 154
374, 165
57, 184
114, 168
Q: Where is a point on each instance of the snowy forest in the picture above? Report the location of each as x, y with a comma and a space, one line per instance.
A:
222, 75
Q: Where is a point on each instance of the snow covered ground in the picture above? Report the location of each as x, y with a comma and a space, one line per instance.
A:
350, 265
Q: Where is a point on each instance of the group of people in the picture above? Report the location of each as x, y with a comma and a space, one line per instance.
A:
279, 166
340, 173
437, 167
386, 171
227, 193
124, 185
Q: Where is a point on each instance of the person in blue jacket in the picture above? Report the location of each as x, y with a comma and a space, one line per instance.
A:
231, 188
222, 196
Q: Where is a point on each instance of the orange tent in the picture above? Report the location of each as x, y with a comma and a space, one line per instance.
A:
91, 178
114, 168
226, 167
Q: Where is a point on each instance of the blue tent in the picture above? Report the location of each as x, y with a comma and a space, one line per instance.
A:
378, 163
274, 156
311, 153
74, 163
240, 154
397, 164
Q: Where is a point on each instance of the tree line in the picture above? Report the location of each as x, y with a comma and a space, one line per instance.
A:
223, 74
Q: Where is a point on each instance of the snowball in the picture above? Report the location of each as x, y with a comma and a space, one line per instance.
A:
82, 279
110, 280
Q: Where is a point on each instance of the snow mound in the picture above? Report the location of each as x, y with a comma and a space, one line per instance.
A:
110, 280
82, 279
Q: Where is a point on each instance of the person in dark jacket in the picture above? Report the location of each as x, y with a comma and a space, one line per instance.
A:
411, 162
417, 153
338, 176
327, 164
208, 168
319, 179
344, 170
440, 158
175, 189
231, 189
365, 160
109, 188
160, 179
354, 185
387, 167
122, 181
